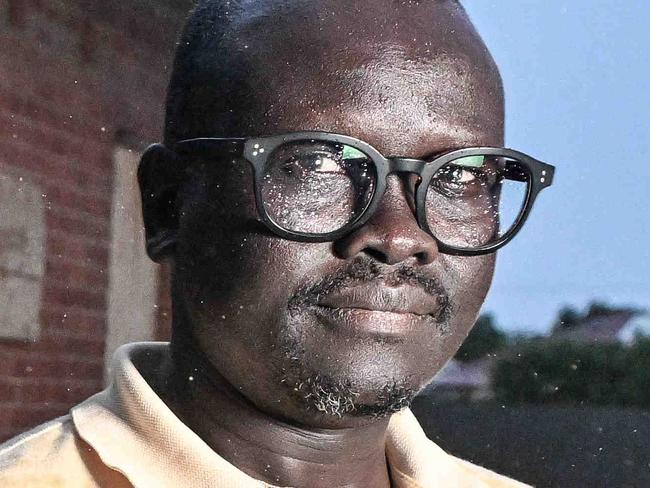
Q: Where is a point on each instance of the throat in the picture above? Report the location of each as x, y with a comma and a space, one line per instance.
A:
267, 448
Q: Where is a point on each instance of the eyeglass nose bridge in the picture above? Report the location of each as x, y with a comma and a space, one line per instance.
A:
405, 165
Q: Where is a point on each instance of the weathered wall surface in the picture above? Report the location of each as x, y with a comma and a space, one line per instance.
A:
79, 79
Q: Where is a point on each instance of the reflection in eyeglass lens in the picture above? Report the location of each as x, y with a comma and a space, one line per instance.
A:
315, 187
474, 201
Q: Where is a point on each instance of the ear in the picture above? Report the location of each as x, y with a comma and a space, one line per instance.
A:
160, 176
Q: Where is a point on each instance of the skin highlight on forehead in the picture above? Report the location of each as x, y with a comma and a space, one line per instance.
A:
434, 93
403, 66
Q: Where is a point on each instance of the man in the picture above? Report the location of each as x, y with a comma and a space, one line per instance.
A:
311, 300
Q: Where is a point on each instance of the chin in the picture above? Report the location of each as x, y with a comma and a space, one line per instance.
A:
335, 378
323, 395
368, 382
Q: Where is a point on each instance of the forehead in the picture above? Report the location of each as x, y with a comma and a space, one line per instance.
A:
410, 78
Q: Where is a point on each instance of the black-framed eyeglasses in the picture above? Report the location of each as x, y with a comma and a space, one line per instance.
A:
319, 186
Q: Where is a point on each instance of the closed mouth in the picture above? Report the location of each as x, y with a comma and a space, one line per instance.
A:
388, 311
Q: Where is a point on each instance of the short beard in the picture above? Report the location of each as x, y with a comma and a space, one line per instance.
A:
339, 397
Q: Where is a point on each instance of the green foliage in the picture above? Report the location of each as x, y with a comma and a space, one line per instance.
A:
485, 338
566, 372
567, 318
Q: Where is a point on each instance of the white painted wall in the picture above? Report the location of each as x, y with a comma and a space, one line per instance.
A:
22, 257
133, 277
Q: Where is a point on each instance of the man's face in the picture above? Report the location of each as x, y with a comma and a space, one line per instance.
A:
330, 334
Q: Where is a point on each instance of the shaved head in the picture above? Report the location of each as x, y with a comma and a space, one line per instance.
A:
244, 67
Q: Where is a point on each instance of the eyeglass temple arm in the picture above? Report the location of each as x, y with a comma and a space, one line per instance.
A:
233, 145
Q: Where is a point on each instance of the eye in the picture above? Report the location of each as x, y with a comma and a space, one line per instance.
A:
326, 164
454, 176
459, 181
461, 176
313, 162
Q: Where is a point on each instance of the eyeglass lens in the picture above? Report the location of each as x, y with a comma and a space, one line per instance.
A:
474, 200
316, 187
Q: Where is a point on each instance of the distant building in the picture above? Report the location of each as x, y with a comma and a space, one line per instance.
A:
465, 381
623, 326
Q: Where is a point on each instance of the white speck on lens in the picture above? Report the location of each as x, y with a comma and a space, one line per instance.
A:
256, 146
254, 153
261, 150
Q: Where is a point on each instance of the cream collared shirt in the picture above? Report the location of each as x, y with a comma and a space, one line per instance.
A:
126, 436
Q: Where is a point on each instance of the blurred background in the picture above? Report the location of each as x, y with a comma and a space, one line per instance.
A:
551, 387
553, 384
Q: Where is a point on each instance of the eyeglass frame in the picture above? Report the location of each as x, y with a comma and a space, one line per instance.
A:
256, 151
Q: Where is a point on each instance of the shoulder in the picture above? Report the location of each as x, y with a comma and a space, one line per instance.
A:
51, 455
50, 439
489, 479
418, 461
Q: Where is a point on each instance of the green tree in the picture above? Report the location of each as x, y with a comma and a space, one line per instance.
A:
568, 317
484, 338
568, 372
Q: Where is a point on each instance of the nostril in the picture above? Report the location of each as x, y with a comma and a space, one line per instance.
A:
376, 254
421, 257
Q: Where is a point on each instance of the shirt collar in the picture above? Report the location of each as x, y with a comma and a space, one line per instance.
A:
134, 432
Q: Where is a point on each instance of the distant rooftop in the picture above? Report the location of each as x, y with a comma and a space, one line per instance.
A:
615, 326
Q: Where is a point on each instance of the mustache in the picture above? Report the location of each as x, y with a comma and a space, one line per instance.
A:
364, 270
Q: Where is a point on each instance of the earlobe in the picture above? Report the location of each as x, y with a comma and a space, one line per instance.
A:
160, 175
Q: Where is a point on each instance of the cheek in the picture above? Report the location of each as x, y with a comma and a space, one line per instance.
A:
470, 283
214, 228
226, 257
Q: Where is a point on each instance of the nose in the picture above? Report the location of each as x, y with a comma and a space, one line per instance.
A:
392, 235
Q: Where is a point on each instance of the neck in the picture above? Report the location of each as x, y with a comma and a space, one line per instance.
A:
264, 447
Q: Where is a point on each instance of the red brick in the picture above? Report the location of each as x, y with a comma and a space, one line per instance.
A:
77, 249
53, 169
57, 365
9, 392
94, 203
72, 322
68, 297
72, 225
56, 102
6, 434
7, 361
90, 346
37, 134
17, 12
78, 119
27, 416
77, 276
40, 391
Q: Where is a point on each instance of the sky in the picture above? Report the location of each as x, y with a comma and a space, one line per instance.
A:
577, 81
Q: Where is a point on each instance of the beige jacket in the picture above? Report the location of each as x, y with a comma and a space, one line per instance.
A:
126, 436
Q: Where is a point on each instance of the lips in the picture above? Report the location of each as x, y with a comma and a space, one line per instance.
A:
398, 300
380, 311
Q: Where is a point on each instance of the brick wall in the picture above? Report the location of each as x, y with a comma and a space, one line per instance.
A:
77, 78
